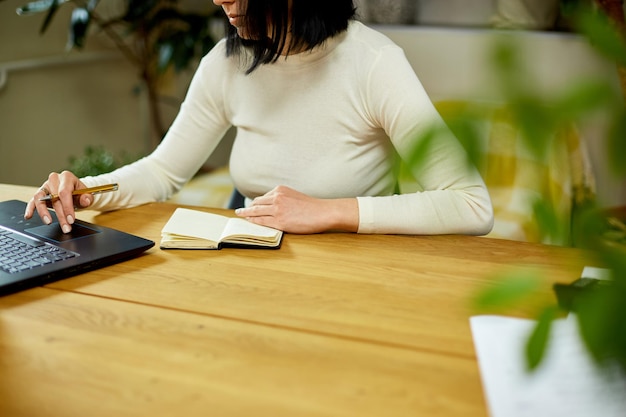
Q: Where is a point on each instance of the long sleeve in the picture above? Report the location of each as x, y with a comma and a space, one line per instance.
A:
454, 197
193, 136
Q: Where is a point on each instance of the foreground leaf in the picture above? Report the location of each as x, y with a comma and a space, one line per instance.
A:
508, 290
538, 341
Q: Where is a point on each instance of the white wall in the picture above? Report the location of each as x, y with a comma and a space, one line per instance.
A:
444, 12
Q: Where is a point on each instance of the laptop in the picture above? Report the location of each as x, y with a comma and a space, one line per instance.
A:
33, 253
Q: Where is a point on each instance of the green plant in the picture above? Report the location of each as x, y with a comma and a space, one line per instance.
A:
600, 308
153, 35
97, 160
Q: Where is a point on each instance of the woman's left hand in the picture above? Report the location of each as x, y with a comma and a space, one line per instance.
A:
291, 211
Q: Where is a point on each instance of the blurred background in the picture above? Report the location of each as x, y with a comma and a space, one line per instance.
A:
56, 103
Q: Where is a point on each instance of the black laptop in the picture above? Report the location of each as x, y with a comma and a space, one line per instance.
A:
33, 253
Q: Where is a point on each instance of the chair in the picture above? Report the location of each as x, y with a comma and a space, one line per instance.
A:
518, 178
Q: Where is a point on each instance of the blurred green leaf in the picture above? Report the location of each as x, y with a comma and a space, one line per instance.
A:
166, 52
186, 37
419, 152
510, 68
603, 34
551, 226
585, 219
538, 341
97, 160
616, 144
162, 20
602, 312
509, 288
183, 49
601, 321
537, 123
505, 55
614, 258
585, 98
79, 23
465, 124
139, 9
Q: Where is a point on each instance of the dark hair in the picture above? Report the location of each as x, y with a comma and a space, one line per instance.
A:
312, 23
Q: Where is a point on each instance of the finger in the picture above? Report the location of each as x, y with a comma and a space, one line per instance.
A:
258, 210
40, 206
85, 200
65, 220
268, 221
264, 200
30, 208
245, 212
64, 205
258, 201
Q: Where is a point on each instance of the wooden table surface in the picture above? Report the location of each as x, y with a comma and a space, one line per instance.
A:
332, 324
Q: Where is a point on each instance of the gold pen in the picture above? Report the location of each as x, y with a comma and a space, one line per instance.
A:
91, 190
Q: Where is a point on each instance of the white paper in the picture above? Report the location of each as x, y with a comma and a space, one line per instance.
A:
596, 273
566, 383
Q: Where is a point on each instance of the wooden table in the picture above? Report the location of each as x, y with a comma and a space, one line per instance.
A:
329, 325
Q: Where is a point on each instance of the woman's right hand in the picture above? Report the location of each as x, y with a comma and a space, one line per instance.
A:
63, 185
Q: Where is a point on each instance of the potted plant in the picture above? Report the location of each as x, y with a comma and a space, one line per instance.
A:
155, 36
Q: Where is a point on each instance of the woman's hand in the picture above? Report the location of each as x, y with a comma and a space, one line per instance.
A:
62, 185
291, 211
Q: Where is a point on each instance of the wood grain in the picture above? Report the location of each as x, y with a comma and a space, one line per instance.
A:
332, 324
412, 291
66, 354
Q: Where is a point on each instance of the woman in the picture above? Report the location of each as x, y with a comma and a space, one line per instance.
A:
323, 106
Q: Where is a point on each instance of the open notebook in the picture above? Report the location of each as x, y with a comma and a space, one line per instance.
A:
194, 229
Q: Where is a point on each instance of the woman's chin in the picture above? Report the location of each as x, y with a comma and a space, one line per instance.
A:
241, 31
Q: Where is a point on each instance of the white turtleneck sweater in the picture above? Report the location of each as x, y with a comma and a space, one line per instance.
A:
329, 123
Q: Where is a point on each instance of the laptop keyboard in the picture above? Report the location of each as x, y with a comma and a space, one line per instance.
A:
19, 252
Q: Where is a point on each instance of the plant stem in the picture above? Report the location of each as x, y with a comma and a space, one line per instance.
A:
117, 40
141, 59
